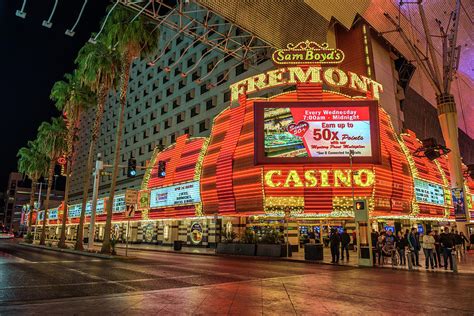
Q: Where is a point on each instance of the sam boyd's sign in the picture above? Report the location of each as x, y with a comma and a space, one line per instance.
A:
175, 195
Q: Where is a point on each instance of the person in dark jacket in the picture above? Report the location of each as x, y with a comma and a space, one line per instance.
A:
414, 245
437, 255
447, 243
345, 241
464, 241
374, 236
401, 245
334, 242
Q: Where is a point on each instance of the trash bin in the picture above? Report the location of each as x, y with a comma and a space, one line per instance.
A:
313, 252
177, 245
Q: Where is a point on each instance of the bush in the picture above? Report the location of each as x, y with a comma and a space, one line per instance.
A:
248, 237
271, 236
29, 238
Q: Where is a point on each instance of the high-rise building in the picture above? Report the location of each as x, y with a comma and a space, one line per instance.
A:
18, 195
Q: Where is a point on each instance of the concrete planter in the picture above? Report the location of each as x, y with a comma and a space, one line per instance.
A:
267, 250
236, 249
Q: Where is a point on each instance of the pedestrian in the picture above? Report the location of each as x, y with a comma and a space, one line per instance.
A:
428, 248
464, 241
471, 239
380, 244
447, 243
401, 245
414, 245
354, 240
334, 241
437, 254
345, 241
312, 237
374, 236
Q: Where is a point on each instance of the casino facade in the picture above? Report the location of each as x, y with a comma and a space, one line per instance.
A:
300, 157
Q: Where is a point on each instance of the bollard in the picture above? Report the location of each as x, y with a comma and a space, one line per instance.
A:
455, 260
409, 259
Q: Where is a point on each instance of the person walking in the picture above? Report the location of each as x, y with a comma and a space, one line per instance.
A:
345, 241
428, 248
458, 244
334, 241
374, 236
447, 243
414, 245
380, 244
464, 241
401, 245
437, 254
354, 240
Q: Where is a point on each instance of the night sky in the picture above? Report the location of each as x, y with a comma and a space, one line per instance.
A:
32, 58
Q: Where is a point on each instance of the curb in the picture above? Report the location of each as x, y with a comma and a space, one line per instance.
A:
70, 251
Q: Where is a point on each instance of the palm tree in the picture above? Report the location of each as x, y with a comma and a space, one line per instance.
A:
98, 66
71, 97
52, 143
33, 163
133, 38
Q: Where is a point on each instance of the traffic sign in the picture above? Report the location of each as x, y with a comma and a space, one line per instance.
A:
130, 211
131, 197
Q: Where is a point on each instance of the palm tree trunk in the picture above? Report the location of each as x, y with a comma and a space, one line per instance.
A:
69, 156
52, 163
127, 60
32, 204
90, 164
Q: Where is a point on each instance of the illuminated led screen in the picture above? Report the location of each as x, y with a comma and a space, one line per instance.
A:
310, 131
175, 195
427, 192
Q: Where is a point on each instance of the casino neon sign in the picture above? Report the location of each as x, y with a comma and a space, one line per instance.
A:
323, 178
308, 71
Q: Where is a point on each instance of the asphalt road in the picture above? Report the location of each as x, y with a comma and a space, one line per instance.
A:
37, 281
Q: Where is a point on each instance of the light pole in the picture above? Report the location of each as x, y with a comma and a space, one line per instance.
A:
99, 166
39, 208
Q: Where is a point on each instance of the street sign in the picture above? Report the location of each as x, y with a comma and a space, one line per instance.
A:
130, 211
131, 197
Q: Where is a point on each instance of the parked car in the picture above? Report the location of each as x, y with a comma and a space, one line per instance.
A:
5, 234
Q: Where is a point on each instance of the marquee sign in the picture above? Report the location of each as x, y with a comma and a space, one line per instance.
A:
307, 53
427, 192
292, 132
175, 195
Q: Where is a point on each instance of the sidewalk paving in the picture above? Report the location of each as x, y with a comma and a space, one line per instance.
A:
465, 263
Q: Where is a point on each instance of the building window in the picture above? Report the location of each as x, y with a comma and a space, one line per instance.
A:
204, 88
182, 84
164, 109
211, 103
153, 115
145, 134
190, 62
169, 91
195, 111
222, 78
190, 95
240, 69
176, 102
156, 129
227, 96
168, 123
180, 118
203, 126
195, 76
172, 138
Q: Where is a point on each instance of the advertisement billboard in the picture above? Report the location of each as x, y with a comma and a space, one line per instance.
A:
291, 132
175, 195
427, 192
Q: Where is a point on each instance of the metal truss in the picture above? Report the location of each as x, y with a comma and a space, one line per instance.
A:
201, 24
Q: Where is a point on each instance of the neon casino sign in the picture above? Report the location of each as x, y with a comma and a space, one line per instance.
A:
309, 56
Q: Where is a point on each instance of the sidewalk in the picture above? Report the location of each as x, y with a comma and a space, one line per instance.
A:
465, 264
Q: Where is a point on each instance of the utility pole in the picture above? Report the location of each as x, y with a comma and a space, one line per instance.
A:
99, 166
441, 82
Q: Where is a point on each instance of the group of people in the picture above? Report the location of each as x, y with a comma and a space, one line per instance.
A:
434, 246
340, 241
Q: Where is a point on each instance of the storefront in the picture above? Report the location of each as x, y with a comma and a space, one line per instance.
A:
294, 161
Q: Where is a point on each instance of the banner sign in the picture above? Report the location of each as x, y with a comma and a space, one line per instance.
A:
175, 195
427, 192
317, 131
307, 53
143, 200
458, 203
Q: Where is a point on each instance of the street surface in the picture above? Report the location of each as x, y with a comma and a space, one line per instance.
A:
44, 282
